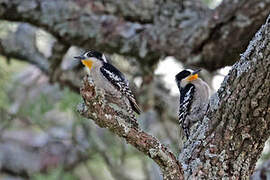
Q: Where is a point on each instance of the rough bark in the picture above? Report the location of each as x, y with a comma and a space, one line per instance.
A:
145, 29
98, 107
231, 137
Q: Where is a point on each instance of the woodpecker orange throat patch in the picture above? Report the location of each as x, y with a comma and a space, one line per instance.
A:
192, 77
88, 63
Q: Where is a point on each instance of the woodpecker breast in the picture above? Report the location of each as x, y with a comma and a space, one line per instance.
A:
194, 98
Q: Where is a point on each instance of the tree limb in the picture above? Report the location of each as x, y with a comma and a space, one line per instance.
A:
21, 44
196, 37
15, 45
97, 107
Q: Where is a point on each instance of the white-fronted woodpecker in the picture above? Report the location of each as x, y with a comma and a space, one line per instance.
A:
194, 97
111, 80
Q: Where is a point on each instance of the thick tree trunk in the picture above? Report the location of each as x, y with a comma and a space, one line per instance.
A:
231, 137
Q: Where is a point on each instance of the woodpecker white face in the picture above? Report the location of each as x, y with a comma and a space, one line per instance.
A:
186, 76
91, 58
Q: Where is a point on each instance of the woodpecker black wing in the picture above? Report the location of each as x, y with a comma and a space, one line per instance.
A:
186, 97
120, 82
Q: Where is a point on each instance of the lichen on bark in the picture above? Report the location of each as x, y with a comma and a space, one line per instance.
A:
237, 121
96, 106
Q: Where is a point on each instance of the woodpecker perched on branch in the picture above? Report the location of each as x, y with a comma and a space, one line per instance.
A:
111, 80
194, 96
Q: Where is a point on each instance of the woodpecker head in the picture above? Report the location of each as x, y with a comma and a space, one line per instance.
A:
90, 58
187, 76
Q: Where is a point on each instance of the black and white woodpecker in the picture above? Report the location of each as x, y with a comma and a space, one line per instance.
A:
110, 79
194, 97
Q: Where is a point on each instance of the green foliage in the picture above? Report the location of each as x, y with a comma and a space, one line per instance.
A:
36, 108
4, 101
6, 73
69, 100
207, 1
55, 174
7, 27
265, 156
98, 167
212, 3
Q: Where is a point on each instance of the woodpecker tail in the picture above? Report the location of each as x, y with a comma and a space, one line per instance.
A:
135, 107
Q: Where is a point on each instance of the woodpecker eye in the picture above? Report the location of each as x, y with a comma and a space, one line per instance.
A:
88, 54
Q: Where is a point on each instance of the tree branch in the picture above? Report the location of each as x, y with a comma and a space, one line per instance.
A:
230, 139
231, 27
195, 36
21, 44
98, 108
15, 45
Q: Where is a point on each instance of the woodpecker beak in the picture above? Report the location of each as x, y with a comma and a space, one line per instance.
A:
79, 57
87, 62
196, 71
194, 75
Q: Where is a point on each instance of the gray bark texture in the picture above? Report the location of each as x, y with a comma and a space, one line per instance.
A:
146, 30
230, 138
97, 107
